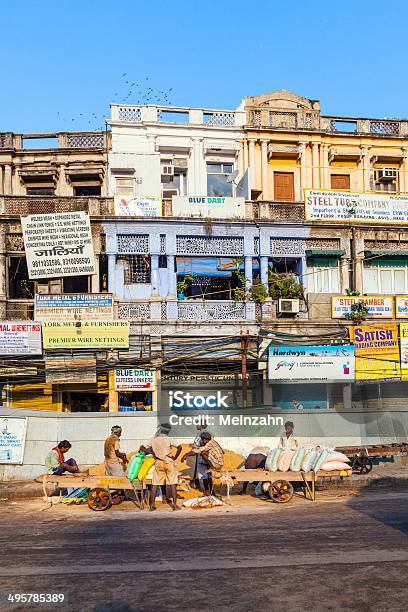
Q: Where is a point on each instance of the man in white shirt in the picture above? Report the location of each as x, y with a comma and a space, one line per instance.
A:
287, 439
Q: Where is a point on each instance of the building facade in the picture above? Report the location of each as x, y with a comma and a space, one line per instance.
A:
231, 186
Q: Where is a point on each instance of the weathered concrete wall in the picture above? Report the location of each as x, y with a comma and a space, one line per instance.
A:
88, 432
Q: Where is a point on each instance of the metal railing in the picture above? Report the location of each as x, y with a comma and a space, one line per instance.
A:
178, 115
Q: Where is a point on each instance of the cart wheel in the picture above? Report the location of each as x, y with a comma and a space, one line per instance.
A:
99, 499
117, 497
362, 465
281, 491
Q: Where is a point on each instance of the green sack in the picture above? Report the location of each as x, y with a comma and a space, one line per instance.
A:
134, 465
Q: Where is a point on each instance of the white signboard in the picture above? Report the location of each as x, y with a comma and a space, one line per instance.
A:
203, 206
73, 307
12, 439
20, 338
379, 306
401, 307
58, 245
135, 380
138, 206
311, 363
358, 207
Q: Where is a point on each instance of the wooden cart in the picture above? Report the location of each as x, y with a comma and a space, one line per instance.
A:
361, 456
105, 491
281, 489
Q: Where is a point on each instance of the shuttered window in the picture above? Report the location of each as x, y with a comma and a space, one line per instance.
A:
284, 186
340, 181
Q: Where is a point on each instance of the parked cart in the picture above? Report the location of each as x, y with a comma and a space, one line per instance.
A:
104, 491
361, 457
281, 489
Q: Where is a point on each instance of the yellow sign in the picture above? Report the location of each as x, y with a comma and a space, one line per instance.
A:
85, 334
404, 350
376, 350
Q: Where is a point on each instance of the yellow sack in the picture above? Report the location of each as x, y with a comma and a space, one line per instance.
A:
146, 465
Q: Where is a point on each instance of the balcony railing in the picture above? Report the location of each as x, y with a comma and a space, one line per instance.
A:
178, 115
63, 140
31, 205
297, 121
187, 310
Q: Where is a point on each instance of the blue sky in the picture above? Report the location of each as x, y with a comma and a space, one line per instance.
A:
63, 60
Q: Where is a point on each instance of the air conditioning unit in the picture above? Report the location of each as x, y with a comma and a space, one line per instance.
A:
288, 306
180, 163
167, 173
42, 288
387, 175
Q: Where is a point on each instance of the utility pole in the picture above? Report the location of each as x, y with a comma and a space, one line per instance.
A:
244, 369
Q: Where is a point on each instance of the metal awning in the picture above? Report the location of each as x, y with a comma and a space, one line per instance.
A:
324, 252
368, 254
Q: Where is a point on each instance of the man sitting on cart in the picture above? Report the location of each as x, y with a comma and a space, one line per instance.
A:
56, 463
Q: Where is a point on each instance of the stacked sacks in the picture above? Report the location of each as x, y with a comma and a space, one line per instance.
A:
296, 463
335, 461
310, 459
271, 463
285, 460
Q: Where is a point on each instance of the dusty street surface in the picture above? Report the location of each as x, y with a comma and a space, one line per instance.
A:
340, 553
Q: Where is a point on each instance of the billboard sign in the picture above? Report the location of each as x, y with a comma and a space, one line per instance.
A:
58, 245
73, 307
377, 351
20, 338
401, 306
203, 206
311, 363
135, 380
379, 306
85, 334
12, 439
137, 206
355, 207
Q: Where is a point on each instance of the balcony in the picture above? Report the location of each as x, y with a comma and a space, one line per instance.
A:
55, 140
260, 118
32, 205
121, 113
188, 310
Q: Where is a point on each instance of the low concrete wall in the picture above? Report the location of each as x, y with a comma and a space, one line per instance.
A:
87, 433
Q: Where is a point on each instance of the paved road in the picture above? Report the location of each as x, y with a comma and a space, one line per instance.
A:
348, 553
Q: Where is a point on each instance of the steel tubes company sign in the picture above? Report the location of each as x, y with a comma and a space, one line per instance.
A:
58, 245
357, 207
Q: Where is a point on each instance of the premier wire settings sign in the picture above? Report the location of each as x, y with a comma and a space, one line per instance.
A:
58, 245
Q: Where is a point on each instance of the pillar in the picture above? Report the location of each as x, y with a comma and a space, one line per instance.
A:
95, 281
113, 394
62, 185
154, 262
1, 180
265, 170
248, 272
172, 282
245, 154
403, 186
324, 167
315, 166
358, 277
111, 272
8, 189
264, 271
347, 397
365, 159
252, 164
344, 275
303, 168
